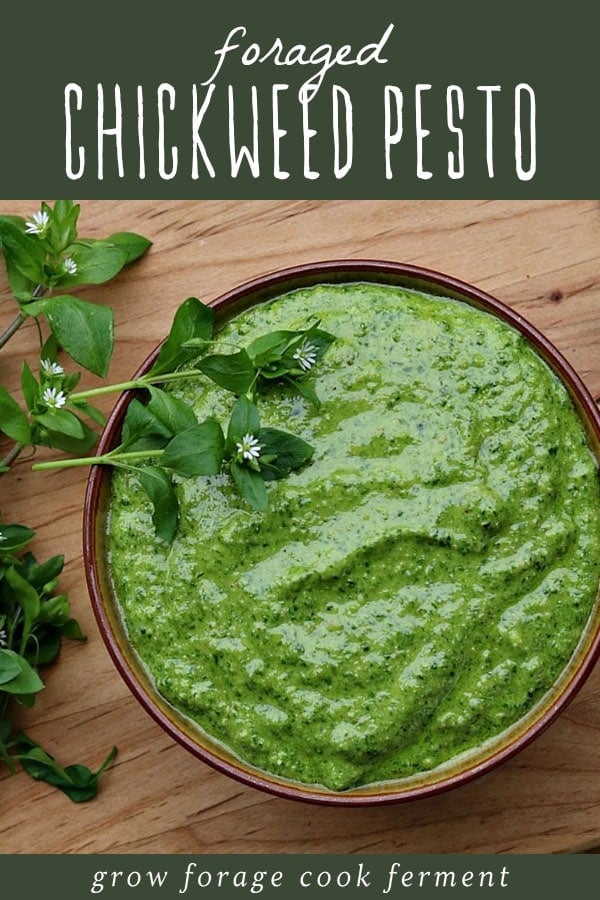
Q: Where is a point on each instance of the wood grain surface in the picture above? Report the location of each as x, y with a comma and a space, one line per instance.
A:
540, 257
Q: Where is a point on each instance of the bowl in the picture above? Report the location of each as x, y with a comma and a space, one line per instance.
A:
463, 768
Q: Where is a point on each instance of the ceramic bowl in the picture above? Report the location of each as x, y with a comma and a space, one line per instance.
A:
461, 769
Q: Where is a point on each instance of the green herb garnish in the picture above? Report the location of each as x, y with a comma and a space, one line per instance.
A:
34, 618
165, 436
45, 259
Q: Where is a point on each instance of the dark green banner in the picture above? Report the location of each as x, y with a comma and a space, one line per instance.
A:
384, 99
165, 877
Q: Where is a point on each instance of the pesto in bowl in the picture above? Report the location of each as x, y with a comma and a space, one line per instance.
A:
410, 594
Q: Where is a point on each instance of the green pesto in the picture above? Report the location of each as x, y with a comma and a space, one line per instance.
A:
409, 594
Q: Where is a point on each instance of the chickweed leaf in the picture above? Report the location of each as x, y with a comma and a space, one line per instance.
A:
134, 245
63, 225
25, 251
10, 666
250, 486
142, 429
96, 263
29, 385
78, 782
244, 420
22, 288
61, 421
25, 682
193, 321
70, 381
289, 452
14, 537
15, 221
54, 610
41, 575
13, 420
35, 308
235, 372
304, 389
76, 446
319, 339
166, 433
28, 599
85, 330
172, 412
198, 450
269, 348
46, 647
50, 349
159, 488
72, 630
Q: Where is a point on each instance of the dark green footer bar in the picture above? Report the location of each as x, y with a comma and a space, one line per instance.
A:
166, 877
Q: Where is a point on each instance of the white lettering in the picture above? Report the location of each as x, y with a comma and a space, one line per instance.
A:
70, 89
117, 131
456, 161
392, 137
525, 174
340, 170
140, 132
245, 152
250, 55
421, 132
223, 51
489, 90
197, 143
324, 57
169, 90
278, 132
307, 134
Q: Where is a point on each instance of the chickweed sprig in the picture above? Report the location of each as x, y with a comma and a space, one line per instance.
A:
34, 618
45, 259
162, 437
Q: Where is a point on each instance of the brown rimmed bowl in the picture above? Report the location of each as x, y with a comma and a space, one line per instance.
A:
457, 771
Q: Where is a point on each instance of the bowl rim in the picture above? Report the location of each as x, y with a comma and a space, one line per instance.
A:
248, 293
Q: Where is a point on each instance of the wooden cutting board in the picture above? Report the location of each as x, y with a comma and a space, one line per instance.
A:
540, 257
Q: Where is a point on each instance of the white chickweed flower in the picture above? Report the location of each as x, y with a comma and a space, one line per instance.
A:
2, 637
54, 398
69, 266
51, 368
306, 354
248, 448
38, 223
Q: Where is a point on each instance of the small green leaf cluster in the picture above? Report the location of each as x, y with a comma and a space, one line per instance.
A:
34, 618
52, 418
277, 356
45, 260
165, 432
78, 782
252, 454
44, 256
259, 454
